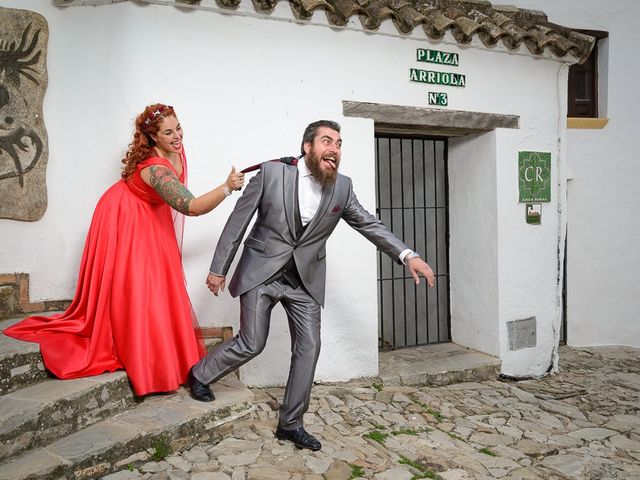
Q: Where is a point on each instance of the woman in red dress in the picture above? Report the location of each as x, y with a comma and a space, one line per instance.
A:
131, 309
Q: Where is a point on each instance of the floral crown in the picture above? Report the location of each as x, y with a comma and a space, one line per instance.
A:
156, 113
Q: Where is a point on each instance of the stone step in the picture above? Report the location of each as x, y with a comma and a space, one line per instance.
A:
173, 421
39, 414
36, 414
20, 362
437, 365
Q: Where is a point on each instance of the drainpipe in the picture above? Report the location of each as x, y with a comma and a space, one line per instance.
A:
562, 217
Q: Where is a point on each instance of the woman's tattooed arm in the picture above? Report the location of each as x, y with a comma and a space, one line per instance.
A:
168, 186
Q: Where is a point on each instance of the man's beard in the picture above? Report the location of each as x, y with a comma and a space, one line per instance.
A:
323, 177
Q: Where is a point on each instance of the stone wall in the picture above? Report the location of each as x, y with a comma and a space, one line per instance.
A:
14, 297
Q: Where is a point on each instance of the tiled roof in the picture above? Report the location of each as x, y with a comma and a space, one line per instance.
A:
465, 19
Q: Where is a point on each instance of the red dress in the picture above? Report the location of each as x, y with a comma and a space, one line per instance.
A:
131, 309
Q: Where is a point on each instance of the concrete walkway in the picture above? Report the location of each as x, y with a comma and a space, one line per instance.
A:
583, 423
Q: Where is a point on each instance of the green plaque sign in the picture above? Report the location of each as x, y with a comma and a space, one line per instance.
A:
438, 98
437, 56
534, 176
437, 78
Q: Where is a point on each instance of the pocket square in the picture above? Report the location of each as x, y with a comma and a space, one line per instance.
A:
336, 209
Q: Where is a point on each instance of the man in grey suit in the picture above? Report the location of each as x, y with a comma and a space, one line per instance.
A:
299, 204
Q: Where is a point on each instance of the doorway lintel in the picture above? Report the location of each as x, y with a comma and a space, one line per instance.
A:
450, 123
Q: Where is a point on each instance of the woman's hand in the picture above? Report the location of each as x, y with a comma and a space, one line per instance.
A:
235, 181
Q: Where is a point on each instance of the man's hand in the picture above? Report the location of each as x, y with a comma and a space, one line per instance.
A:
215, 283
418, 266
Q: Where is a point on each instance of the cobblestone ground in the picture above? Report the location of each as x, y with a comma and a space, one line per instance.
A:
583, 423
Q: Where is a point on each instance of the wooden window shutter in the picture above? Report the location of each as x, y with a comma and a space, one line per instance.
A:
583, 83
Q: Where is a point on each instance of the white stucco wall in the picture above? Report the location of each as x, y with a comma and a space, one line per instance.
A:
528, 257
503, 269
473, 243
244, 89
603, 291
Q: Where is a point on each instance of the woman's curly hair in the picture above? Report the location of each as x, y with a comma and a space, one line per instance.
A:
142, 145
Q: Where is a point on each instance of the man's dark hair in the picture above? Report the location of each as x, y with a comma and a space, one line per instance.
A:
312, 130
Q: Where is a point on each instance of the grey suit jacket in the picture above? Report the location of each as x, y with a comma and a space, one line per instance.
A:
272, 240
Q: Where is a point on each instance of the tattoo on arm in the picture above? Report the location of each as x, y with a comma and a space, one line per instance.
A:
165, 182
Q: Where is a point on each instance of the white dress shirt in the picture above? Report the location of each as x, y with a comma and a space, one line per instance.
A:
309, 195
309, 192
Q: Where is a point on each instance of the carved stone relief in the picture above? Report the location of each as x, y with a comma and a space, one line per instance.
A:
24, 147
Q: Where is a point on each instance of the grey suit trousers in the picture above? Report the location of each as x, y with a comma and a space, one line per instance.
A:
303, 314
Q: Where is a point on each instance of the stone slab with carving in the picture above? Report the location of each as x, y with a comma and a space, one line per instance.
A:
23, 138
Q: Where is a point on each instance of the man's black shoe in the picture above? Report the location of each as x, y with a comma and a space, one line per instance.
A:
300, 437
199, 390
